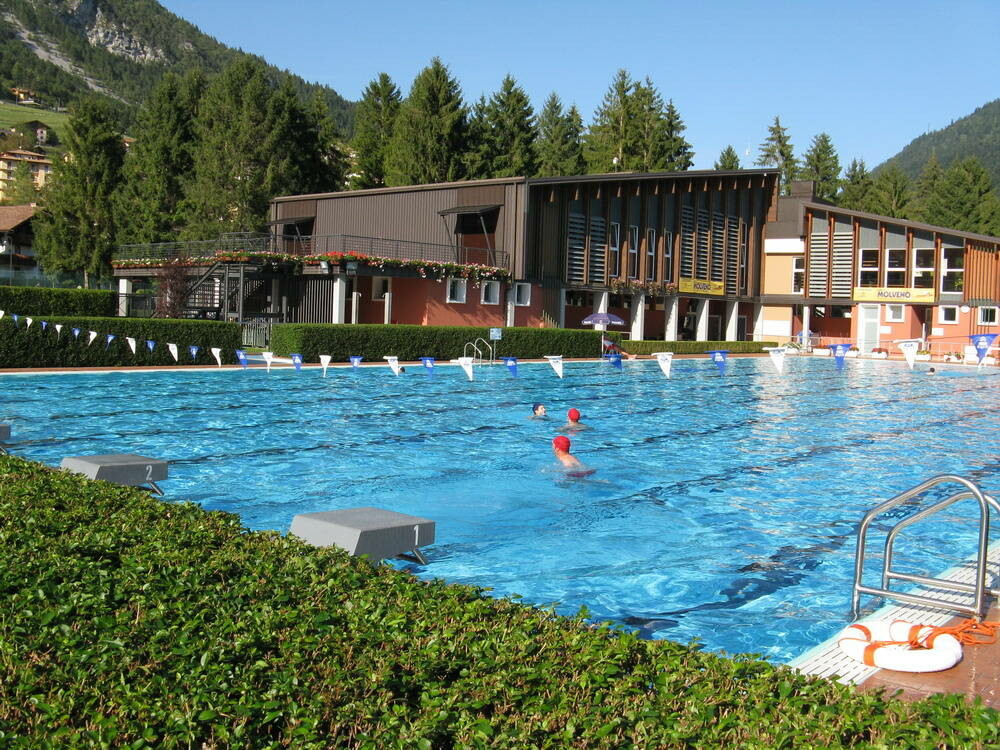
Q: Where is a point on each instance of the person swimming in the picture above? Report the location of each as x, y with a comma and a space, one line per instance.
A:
573, 421
561, 446
537, 411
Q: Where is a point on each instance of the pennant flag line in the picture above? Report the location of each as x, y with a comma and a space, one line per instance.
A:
217, 353
557, 363
242, 357
777, 354
93, 335
355, 361
193, 350
466, 363
718, 356
393, 364
664, 360
324, 361
511, 363
909, 350
110, 337
297, 361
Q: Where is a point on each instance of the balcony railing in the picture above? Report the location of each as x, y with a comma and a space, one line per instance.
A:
312, 245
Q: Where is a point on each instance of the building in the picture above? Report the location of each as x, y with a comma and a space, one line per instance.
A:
39, 166
16, 239
844, 275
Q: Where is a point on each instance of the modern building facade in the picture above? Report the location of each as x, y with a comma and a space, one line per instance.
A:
843, 275
39, 166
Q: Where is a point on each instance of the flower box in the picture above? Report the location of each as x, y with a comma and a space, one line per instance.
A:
852, 353
922, 357
821, 352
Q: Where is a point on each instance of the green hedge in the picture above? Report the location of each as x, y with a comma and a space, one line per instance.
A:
695, 347
26, 300
32, 347
126, 621
412, 342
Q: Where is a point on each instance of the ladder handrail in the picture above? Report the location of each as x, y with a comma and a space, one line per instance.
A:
465, 351
971, 491
488, 345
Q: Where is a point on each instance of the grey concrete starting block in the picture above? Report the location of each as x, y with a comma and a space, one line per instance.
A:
120, 468
4, 435
374, 532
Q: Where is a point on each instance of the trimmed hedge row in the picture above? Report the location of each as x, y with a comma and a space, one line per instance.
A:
126, 621
27, 300
412, 342
695, 347
33, 347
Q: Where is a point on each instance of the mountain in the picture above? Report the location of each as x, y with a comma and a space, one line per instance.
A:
60, 49
976, 135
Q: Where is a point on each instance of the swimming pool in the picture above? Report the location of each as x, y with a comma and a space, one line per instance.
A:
723, 508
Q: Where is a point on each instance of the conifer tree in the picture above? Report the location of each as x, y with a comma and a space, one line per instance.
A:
610, 144
965, 199
777, 151
728, 159
76, 231
558, 149
21, 189
856, 187
374, 123
333, 159
511, 131
928, 184
429, 139
649, 128
821, 165
678, 154
160, 163
478, 156
891, 193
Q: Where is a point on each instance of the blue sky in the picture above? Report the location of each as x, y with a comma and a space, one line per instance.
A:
874, 75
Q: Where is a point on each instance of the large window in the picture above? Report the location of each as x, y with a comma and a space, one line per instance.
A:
868, 267
952, 269
923, 267
798, 274
490, 294
633, 251
651, 254
987, 316
522, 294
668, 256
895, 267
456, 291
615, 246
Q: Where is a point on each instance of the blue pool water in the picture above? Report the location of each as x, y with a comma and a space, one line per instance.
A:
723, 508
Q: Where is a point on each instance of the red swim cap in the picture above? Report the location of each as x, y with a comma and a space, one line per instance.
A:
574, 415
561, 442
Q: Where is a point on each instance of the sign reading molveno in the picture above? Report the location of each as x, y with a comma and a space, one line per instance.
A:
893, 294
701, 286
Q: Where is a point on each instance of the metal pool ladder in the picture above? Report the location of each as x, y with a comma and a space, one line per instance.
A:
478, 358
967, 491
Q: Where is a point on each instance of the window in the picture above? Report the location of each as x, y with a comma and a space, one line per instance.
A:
615, 245
952, 269
987, 316
798, 274
894, 313
456, 291
381, 286
868, 267
651, 254
633, 251
923, 267
947, 314
522, 294
668, 256
490, 294
895, 267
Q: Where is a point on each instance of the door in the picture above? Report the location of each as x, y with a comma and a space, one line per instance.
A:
868, 327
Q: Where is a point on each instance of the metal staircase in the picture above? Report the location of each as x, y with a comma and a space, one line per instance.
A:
966, 491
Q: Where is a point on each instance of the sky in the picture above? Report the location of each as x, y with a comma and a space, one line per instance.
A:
873, 74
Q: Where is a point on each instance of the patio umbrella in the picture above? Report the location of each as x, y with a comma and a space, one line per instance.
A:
602, 318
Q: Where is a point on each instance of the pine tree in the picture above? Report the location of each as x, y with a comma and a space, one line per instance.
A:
777, 151
856, 187
374, 123
649, 128
334, 163
512, 131
821, 165
928, 184
728, 159
160, 163
558, 149
429, 139
891, 193
478, 156
610, 144
965, 199
21, 189
76, 231
678, 154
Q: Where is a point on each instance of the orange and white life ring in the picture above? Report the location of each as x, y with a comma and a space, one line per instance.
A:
901, 646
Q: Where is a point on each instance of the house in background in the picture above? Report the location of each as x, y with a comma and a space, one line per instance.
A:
38, 164
16, 238
844, 275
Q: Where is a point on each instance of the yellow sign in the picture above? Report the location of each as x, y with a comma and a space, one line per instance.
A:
892, 294
700, 286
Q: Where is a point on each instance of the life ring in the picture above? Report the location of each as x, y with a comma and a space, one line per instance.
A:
901, 646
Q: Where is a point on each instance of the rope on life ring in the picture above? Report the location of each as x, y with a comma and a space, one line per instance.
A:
906, 647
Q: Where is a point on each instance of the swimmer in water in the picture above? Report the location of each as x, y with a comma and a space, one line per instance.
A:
573, 421
932, 371
560, 446
537, 411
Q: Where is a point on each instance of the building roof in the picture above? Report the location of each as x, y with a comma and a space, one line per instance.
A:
12, 217
20, 153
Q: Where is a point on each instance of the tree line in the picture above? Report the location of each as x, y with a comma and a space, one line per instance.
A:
210, 152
